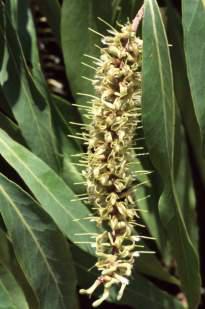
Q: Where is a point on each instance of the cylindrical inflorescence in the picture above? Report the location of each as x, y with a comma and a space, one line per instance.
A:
115, 111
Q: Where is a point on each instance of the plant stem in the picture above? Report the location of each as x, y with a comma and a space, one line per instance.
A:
138, 18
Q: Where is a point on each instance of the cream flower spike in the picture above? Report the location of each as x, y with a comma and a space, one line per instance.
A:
110, 137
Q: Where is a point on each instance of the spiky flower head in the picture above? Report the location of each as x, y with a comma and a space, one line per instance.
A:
115, 117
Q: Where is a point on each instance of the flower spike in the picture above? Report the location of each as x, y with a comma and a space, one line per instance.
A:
108, 174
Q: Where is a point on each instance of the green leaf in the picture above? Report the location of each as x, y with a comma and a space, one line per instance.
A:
63, 113
29, 106
53, 194
11, 128
185, 190
147, 196
159, 116
8, 259
193, 17
4, 104
77, 40
5, 257
149, 265
21, 19
40, 248
11, 295
182, 88
183, 96
51, 9
140, 293
125, 9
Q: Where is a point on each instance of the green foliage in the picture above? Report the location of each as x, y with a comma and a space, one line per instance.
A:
11, 294
159, 107
42, 259
36, 241
194, 27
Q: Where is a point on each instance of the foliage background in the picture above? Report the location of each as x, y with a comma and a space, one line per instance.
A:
42, 49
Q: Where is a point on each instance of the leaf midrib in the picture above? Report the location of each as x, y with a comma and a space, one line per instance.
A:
25, 91
8, 294
35, 240
162, 86
41, 184
177, 208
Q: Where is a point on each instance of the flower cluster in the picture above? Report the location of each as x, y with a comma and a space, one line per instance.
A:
115, 117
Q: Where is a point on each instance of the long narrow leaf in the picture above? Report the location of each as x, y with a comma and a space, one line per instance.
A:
193, 17
159, 123
11, 128
8, 259
40, 248
29, 106
64, 113
53, 194
77, 40
11, 295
